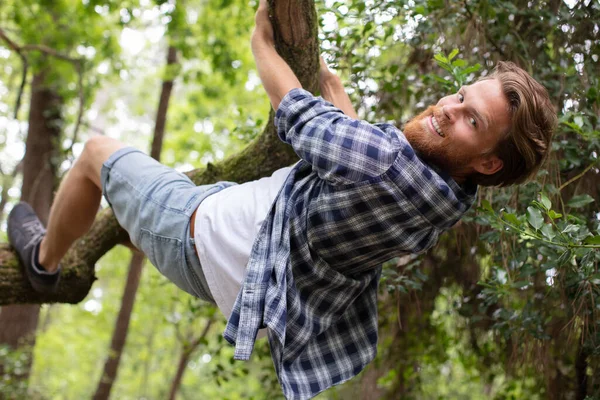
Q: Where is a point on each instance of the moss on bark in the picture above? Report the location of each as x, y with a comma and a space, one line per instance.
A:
295, 25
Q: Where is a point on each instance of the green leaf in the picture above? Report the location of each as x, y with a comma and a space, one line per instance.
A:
548, 231
565, 257
554, 215
588, 259
545, 201
592, 240
472, 69
512, 218
573, 126
486, 205
440, 58
570, 228
440, 79
452, 54
519, 284
459, 63
580, 200
534, 216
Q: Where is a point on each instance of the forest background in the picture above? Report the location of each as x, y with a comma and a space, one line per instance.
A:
506, 306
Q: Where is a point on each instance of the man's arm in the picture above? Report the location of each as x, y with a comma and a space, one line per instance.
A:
277, 77
333, 91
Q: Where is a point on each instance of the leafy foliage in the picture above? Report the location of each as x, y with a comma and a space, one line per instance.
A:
506, 306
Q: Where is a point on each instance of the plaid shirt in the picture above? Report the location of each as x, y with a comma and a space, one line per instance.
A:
359, 197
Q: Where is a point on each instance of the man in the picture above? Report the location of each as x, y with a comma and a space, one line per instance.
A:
300, 252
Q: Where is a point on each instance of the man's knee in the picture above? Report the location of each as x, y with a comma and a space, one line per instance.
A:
96, 151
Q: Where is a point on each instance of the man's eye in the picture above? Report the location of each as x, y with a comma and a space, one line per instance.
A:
461, 98
473, 122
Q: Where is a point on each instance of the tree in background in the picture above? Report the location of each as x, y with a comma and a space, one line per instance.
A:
50, 60
506, 306
518, 280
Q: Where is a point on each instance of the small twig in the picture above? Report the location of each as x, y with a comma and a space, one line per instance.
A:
77, 62
99, 131
192, 346
51, 52
485, 32
37, 47
17, 49
10, 43
534, 236
21, 87
577, 176
79, 68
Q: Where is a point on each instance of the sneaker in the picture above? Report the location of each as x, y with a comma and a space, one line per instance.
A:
25, 233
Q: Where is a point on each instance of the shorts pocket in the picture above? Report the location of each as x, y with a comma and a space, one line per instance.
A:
165, 253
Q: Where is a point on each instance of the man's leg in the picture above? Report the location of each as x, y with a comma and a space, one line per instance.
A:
71, 216
77, 201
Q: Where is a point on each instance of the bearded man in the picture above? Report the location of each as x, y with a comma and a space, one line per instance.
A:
299, 253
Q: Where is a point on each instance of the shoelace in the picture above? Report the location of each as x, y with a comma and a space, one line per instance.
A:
36, 230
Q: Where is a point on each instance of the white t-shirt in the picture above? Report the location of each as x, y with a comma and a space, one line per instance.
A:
227, 223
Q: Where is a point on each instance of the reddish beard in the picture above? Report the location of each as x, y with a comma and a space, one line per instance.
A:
440, 151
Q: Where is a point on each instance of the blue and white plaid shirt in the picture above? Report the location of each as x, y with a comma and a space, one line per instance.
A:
359, 197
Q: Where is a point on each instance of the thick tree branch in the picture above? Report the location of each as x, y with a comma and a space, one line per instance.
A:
296, 41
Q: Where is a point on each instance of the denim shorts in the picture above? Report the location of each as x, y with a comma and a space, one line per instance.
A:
154, 204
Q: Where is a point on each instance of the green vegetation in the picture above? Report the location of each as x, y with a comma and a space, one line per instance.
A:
507, 306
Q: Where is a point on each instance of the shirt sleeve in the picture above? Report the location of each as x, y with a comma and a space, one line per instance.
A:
340, 149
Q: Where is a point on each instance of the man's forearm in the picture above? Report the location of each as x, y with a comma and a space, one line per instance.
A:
333, 91
276, 75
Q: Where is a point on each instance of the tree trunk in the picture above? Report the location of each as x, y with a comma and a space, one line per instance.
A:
111, 366
295, 26
186, 353
6, 185
18, 323
581, 365
122, 325
163, 106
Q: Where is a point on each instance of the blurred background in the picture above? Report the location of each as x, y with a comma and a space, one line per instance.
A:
506, 306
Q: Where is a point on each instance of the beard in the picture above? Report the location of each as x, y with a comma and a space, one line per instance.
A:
443, 152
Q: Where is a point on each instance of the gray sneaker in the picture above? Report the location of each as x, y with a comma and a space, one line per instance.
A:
25, 233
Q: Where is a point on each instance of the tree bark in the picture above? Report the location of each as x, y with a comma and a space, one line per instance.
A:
163, 106
122, 325
111, 366
18, 323
581, 365
296, 41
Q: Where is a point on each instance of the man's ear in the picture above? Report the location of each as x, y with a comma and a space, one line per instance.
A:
488, 165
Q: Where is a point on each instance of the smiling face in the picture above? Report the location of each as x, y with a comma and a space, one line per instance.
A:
460, 132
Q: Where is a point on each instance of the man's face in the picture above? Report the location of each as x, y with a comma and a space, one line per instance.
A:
460, 129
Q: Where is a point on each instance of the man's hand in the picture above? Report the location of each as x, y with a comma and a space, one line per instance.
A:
333, 91
277, 77
324, 72
263, 29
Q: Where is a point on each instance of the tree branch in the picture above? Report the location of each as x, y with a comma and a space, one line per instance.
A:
77, 63
12, 45
260, 158
485, 31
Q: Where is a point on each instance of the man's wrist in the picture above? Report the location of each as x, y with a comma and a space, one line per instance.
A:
261, 37
330, 82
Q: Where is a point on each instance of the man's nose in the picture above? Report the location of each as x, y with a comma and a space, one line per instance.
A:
450, 111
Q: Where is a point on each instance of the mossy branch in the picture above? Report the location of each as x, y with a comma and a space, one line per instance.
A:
295, 25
